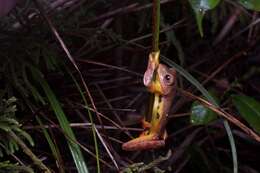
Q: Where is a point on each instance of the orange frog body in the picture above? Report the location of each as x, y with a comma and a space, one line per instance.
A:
161, 81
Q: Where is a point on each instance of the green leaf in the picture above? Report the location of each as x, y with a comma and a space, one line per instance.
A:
9, 121
251, 4
25, 135
5, 127
37, 96
249, 109
8, 167
54, 148
201, 115
63, 121
200, 7
90, 118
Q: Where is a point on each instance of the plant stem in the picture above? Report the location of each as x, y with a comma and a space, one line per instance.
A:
156, 24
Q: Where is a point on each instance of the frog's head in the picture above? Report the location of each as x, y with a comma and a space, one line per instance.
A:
158, 78
167, 78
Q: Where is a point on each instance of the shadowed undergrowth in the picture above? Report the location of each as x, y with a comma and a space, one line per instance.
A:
110, 42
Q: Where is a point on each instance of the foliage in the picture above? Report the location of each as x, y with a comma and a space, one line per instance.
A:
74, 147
249, 109
200, 7
9, 123
108, 39
251, 4
9, 145
201, 115
17, 74
7, 167
209, 97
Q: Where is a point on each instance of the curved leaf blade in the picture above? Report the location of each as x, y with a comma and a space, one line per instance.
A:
90, 118
251, 4
200, 7
63, 121
54, 148
249, 109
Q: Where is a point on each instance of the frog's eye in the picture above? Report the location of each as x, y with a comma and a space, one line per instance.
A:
168, 79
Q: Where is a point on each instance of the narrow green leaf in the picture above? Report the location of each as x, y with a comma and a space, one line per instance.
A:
207, 95
13, 75
5, 127
249, 109
200, 7
37, 96
25, 135
54, 148
9, 121
11, 146
16, 147
251, 4
90, 118
199, 18
63, 121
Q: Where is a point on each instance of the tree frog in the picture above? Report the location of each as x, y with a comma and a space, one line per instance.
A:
161, 81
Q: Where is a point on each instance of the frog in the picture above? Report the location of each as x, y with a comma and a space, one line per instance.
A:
160, 80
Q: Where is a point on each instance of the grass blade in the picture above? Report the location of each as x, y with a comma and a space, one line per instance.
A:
63, 121
90, 118
54, 148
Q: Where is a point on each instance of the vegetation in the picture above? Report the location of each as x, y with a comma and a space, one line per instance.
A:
72, 92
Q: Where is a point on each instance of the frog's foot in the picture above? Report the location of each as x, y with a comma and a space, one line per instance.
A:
144, 143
